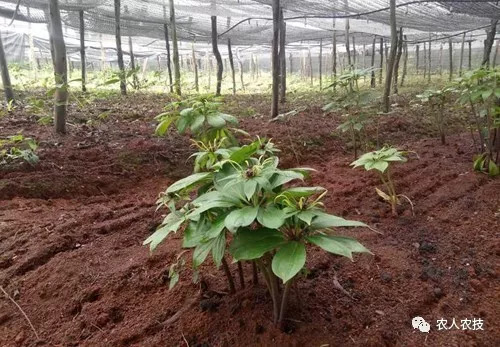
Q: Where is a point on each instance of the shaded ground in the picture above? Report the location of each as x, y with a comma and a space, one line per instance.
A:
71, 231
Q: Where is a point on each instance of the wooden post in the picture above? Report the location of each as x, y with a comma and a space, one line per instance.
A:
60, 67
405, 61
488, 43
7, 86
320, 65
311, 72
392, 56
398, 58
425, 60
372, 81
240, 64
215, 49
334, 54
354, 51
417, 58
381, 60
462, 48
175, 48
441, 59
135, 80
290, 64
103, 53
429, 60
119, 52
82, 50
348, 51
494, 60
364, 57
195, 69
282, 58
231, 64
470, 55
275, 58
450, 48
169, 64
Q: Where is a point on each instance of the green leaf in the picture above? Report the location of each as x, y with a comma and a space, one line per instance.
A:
192, 236
271, 217
325, 220
493, 169
201, 251
306, 216
161, 233
218, 249
249, 187
252, 244
284, 176
241, 218
289, 260
244, 152
163, 126
216, 227
339, 245
197, 123
216, 121
188, 181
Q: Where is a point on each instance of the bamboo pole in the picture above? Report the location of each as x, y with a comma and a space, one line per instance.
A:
119, 52
450, 48
60, 67
82, 51
417, 58
334, 53
175, 49
282, 58
320, 65
441, 59
7, 86
392, 56
381, 60
470, 55
429, 61
275, 58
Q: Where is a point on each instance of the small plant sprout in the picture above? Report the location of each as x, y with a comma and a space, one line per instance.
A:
436, 100
17, 147
381, 161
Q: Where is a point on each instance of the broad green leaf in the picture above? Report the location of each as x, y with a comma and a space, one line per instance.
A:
271, 217
378, 165
299, 192
306, 216
218, 249
163, 126
182, 123
249, 187
228, 118
493, 169
339, 245
289, 260
325, 220
160, 234
201, 251
216, 228
244, 152
216, 121
188, 181
252, 244
192, 237
197, 123
284, 176
241, 217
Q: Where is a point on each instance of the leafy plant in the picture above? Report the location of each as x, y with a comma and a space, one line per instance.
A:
18, 147
200, 115
243, 199
480, 91
436, 99
381, 161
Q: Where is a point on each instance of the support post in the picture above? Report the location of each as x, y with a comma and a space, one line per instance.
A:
169, 64
334, 54
372, 81
215, 49
462, 47
175, 48
195, 69
429, 60
231, 64
441, 59
417, 58
60, 67
398, 58
488, 43
119, 52
354, 54
450, 51
135, 80
405, 61
392, 56
275, 58
240, 64
381, 60
425, 60
320, 65
282, 58
82, 51
470, 55
7, 86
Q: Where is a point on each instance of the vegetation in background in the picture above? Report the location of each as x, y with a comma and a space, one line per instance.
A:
18, 147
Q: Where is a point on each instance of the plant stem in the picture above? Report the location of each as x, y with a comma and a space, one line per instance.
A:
255, 275
242, 276
284, 300
230, 280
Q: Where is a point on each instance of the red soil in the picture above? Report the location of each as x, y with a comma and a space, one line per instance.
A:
71, 232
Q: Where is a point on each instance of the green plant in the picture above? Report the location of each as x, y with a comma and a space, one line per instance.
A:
480, 91
201, 116
381, 161
244, 199
18, 147
436, 99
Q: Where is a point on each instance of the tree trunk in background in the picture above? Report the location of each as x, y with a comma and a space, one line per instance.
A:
429, 61
372, 81
282, 58
488, 43
175, 48
215, 49
60, 67
354, 51
398, 58
7, 86
441, 59
290, 59
195, 69
119, 52
425, 59
450, 51
392, 56
135, 81
240, 64
381, 60
275, 58
320, 64
470, 55
405, 62
231, 64
311, 72
169, 64
417, 58
82, 51
334, 54
462, 47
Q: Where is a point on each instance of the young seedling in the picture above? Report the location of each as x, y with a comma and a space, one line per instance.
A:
381, 161
18, 147
436, 99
